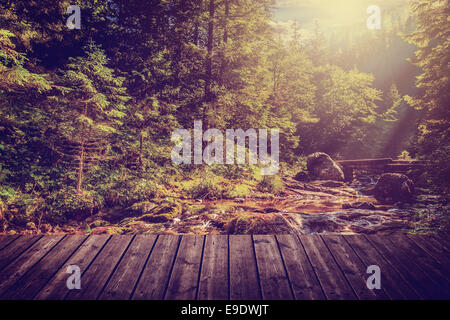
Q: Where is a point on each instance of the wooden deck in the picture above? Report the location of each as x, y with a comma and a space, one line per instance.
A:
224, 267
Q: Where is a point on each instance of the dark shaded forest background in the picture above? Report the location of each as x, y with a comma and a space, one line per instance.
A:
86, 115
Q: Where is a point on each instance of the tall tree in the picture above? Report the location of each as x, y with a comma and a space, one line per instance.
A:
432, 38
90, 110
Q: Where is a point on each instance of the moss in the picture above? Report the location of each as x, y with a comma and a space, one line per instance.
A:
240, 191
173, 208
195, 208
133, 226
139, 208
255, 224
272, 184
98, 223
107, 230
157, 218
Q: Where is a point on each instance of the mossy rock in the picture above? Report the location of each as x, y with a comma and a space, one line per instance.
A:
107, 230
253, 224
98, 223
173, 208
133, 226
140, 208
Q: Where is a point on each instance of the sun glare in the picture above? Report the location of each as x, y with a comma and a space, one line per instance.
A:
344, 12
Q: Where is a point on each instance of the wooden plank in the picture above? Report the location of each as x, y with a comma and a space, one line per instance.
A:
7, 240
392, 281
272, 274
244, 284
415, 276
184, 279
42, 271
442, 240
11, 252
366, 162
156, 273
303, 280
352, 267
214, 284
15, 270
124, 279
331, 278
56, 288
97, 274
434, 249
425, 262
403, 167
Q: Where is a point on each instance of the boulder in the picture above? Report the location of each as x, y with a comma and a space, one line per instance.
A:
321, 166
302, 176
394, 187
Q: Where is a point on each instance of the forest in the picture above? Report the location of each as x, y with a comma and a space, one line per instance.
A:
87, 117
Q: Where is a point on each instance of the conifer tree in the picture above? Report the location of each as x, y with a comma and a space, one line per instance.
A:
88, 112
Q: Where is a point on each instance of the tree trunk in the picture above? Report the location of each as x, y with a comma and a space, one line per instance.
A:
82, 156
223, 64
210, 44
80, 169
141, 141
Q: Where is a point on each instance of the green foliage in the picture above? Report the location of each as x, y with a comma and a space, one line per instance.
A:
404, 155
86, 117
271, 184
67, 204
346, 106
432, 37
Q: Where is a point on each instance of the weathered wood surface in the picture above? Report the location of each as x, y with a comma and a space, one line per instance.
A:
224, 267
383, 165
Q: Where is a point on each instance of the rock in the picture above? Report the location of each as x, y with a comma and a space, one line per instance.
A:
143, 207
106, 230
321, 166
394, 187
302, 176
173, 208
254, 224
320, 224
98, 223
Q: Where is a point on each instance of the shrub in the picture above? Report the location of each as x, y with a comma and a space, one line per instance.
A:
67, 204
271, 184
129, 191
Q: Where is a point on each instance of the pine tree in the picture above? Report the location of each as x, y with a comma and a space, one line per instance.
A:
89, 111
432, 38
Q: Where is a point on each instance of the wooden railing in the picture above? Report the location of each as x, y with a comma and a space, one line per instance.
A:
379, 165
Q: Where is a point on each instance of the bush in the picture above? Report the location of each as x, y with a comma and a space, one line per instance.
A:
19, 208
67, 204
130, 190
271, 184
